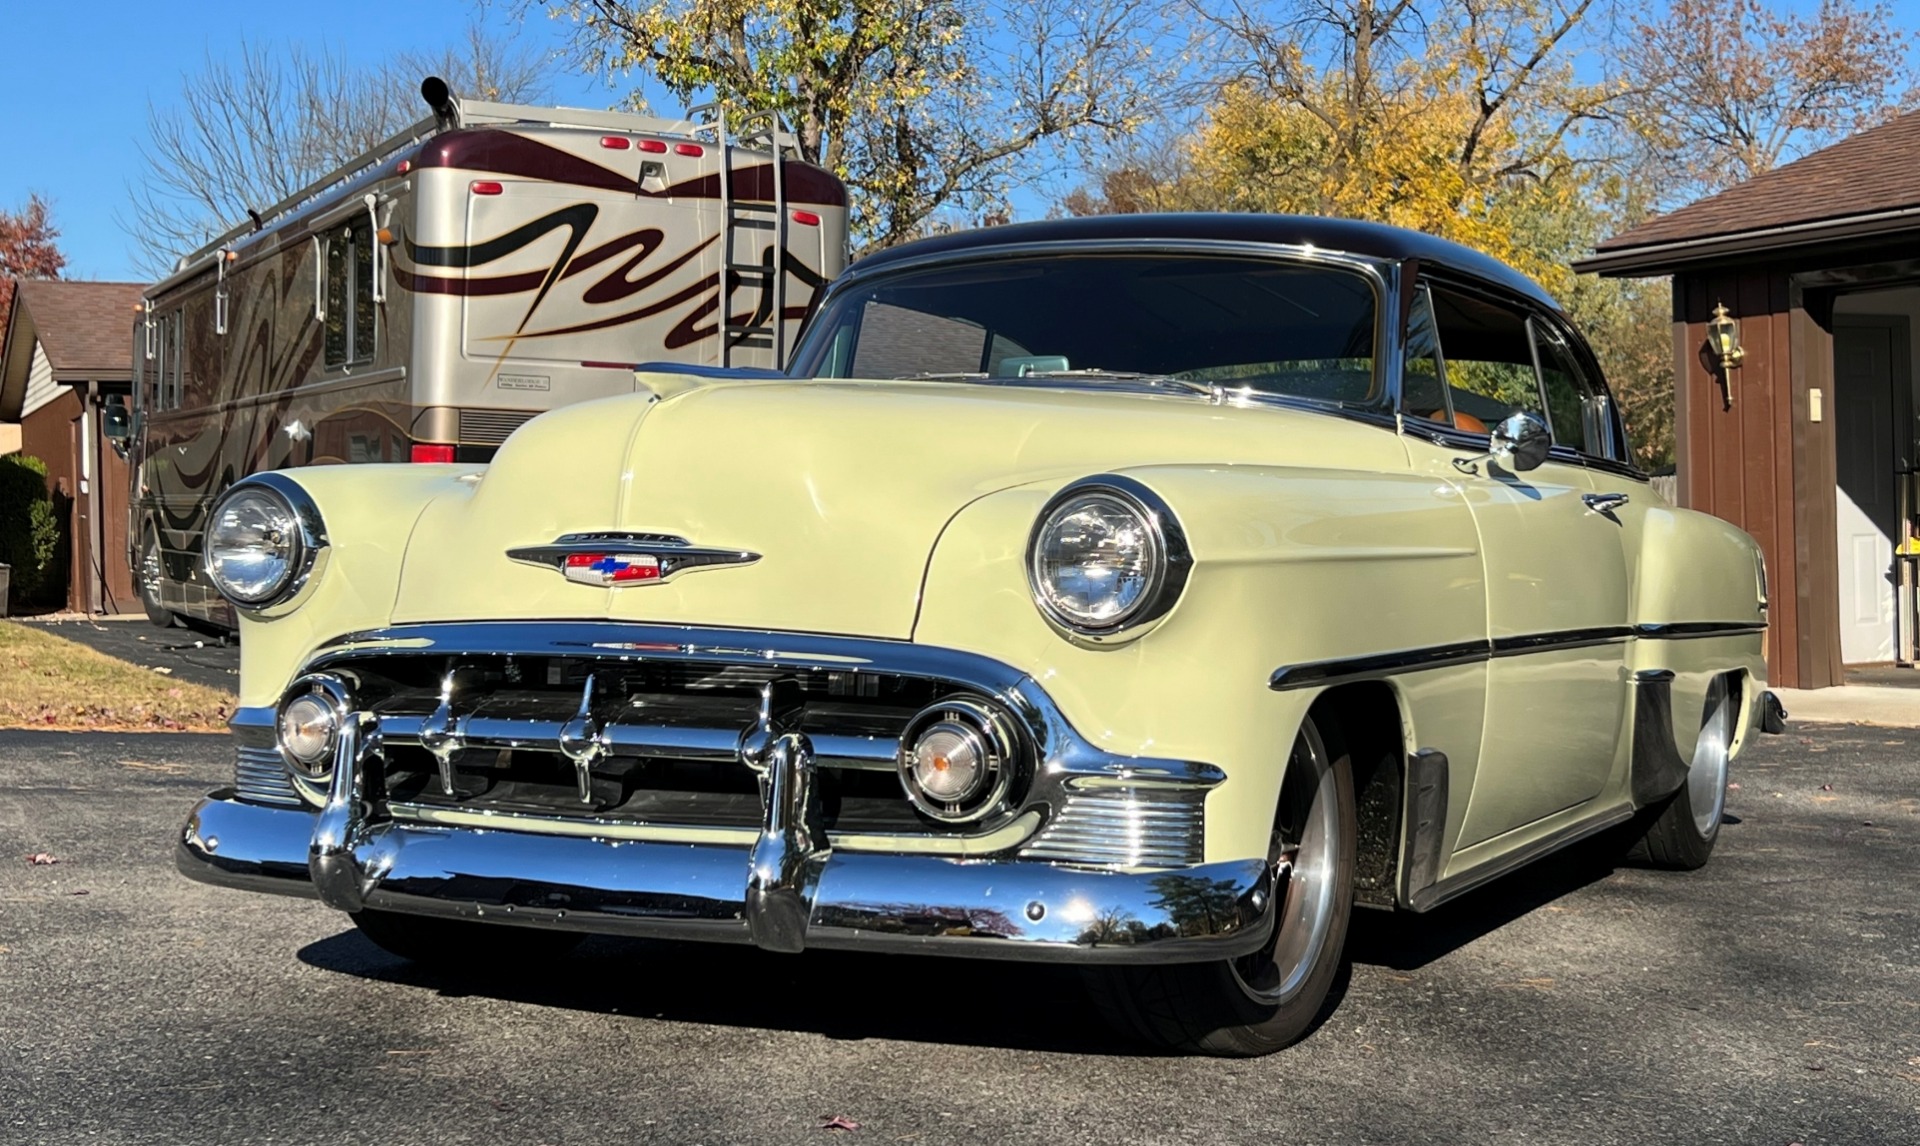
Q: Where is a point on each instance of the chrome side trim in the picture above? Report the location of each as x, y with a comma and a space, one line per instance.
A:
1319, 673
1688, 630
1562, 639
1433, 896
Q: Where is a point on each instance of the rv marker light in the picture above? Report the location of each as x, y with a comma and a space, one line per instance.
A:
653, 147
615, 142
689, 149
485, 187
806, 218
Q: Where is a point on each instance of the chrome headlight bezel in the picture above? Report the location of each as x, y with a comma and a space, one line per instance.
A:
1169, 557
308, 549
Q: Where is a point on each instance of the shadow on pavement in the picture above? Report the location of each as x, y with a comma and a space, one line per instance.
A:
838, 994
848, 995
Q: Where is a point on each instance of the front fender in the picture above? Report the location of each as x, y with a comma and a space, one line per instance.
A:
1290, 566
369, 512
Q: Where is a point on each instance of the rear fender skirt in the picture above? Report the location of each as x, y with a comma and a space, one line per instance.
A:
1424, 853
1658, 768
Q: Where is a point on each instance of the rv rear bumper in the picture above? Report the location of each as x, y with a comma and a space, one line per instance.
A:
996, 909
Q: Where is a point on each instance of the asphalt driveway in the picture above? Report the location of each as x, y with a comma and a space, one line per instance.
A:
201, 657
1773, 998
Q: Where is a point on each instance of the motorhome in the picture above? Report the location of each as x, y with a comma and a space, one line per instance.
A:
418, 304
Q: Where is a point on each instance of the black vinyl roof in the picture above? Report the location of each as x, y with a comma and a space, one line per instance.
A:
1374, 240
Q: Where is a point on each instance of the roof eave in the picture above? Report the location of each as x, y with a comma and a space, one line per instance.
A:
1665, 258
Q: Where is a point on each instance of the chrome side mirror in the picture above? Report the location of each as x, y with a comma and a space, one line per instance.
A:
1519, 442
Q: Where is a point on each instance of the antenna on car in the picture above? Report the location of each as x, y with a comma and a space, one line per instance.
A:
439, 97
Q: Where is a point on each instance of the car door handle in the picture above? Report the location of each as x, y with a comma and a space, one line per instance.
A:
1604, 502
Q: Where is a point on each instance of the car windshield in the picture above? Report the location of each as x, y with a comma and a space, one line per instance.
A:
1186, 322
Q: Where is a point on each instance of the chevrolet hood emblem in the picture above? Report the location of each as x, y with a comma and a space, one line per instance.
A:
619, 560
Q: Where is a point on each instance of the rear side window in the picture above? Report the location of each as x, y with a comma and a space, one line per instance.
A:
1489, 360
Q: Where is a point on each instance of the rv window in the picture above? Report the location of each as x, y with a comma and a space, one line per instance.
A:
350, 310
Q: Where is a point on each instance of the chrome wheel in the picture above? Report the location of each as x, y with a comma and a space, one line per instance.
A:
1305, 854
1707, 776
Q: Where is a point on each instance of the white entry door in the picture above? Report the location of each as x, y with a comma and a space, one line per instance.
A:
1864, 367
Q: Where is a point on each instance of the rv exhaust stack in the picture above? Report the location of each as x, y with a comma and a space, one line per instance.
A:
439, 97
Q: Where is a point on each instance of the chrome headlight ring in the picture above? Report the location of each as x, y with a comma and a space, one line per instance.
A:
1158, 576
297, 533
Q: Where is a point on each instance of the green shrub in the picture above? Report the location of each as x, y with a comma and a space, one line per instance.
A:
29, 531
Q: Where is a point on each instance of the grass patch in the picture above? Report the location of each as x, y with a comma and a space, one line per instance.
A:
50, 682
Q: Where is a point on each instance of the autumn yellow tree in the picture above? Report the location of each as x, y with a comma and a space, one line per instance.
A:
920, 105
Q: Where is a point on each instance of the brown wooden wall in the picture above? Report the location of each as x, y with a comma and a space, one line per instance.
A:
1759, 463
51, 434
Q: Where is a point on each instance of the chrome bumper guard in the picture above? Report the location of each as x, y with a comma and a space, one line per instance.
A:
787, 892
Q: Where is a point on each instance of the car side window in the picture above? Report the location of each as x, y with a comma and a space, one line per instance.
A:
1423, 390
1489, 360
1569, 398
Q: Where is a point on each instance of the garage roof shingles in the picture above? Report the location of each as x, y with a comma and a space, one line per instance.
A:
1863, 174
85, 327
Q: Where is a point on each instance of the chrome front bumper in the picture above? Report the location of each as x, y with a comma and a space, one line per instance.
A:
994, 909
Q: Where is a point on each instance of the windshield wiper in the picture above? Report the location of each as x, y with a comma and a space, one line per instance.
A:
942, 376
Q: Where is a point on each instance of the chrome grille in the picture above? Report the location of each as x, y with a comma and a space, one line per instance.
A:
1125, 827
260, 776
490, 427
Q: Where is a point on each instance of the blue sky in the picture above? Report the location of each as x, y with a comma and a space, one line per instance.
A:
73, 133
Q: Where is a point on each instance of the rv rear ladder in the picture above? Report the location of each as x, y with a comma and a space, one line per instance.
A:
765, 328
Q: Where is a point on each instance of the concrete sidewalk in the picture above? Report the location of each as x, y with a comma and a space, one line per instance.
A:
1852, 704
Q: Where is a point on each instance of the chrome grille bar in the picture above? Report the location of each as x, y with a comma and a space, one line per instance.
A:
703, 743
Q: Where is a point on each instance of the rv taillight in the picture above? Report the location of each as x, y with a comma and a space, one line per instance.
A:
615, 142
653, 147
689, 149
485, 187
428, 453
806, 218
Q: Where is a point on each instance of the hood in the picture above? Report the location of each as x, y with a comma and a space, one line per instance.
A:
842, 488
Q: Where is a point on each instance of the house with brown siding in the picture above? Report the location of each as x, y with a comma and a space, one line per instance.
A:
1809, 440
69, 353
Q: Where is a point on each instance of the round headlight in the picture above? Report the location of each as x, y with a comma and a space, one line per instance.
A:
958, 759
257, 547
1106, 555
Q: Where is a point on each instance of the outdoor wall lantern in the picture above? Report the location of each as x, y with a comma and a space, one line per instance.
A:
1723, 339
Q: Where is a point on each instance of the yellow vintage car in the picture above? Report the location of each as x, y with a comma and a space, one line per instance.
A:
1140, 593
